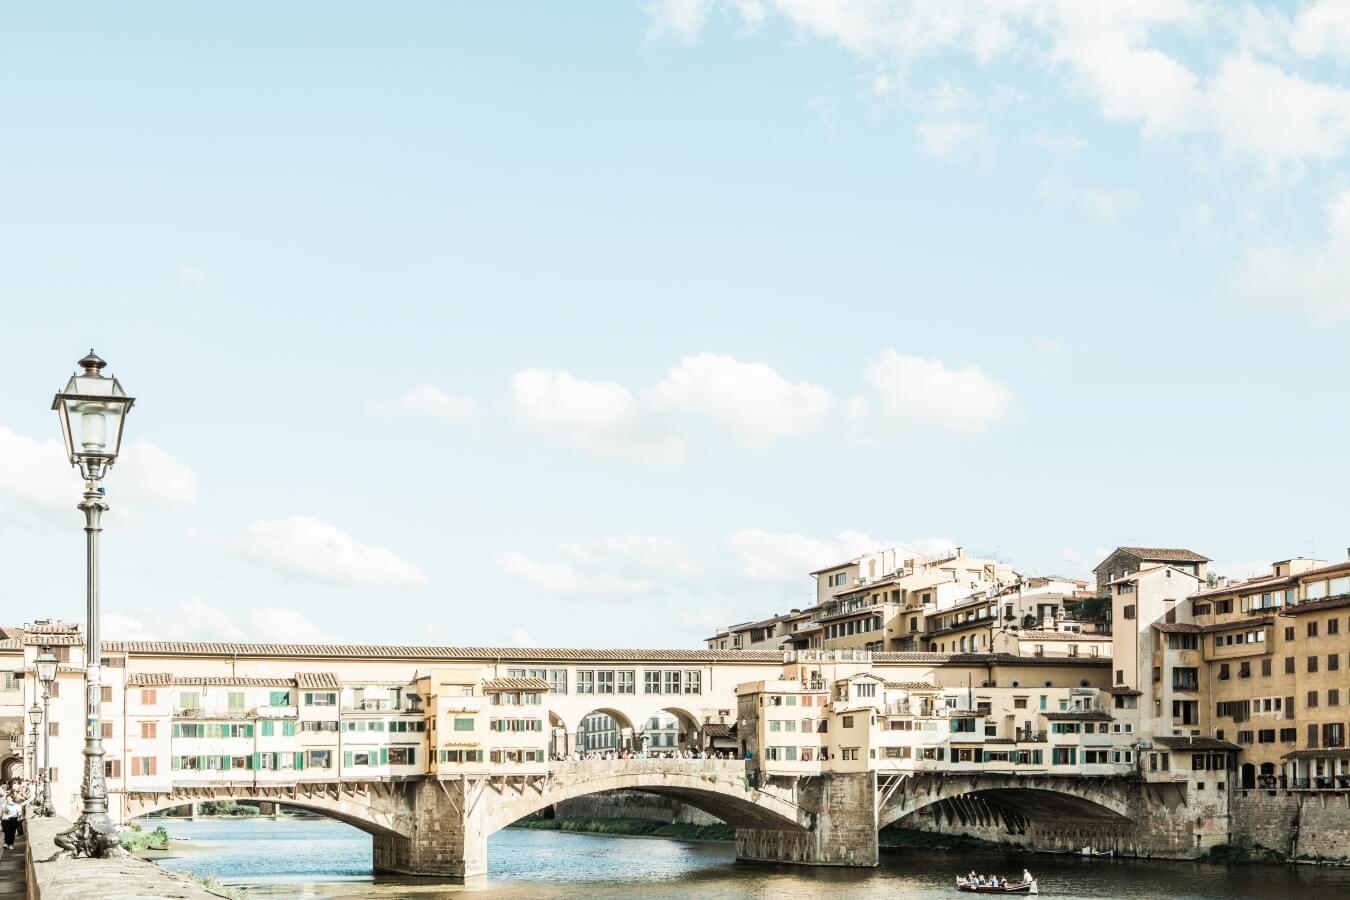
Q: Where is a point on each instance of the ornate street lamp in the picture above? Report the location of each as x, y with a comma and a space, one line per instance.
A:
34, 716
46, 672
93, 409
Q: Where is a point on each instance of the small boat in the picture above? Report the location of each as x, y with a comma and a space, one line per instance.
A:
1090, 853
1006, 887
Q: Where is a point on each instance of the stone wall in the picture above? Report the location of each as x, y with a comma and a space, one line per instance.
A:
1299, 824
80, 879
843, 830
632, 805
448, 837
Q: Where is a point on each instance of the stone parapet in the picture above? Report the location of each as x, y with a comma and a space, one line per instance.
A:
80, 879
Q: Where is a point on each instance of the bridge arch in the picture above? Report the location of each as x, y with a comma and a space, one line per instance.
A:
11, 767
381, 810
719, 790
1013, 801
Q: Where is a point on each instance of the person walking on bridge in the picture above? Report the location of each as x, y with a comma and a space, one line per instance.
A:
11, 815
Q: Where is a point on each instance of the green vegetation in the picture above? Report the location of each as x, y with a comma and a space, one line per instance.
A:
225, 808
931, 840
138, 838
1229, 853
213, 884
633, 828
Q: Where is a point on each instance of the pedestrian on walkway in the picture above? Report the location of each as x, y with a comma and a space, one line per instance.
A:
11, 814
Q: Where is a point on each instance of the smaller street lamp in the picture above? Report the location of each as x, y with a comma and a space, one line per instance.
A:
34, 716
45, 664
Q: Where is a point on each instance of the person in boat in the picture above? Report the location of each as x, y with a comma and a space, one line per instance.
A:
1026, 877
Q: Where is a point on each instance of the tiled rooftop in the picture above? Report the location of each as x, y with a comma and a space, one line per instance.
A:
515, 684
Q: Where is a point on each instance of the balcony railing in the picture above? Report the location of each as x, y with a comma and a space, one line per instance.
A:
196, 712
1029, 736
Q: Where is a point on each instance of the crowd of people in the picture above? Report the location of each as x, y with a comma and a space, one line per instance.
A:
597, 755
15, 798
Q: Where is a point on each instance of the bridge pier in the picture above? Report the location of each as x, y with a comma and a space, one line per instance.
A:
448, 837
843, 828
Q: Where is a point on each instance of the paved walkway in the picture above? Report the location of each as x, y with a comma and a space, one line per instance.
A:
13, 881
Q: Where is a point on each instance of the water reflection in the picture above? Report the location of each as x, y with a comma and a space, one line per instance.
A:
324, 859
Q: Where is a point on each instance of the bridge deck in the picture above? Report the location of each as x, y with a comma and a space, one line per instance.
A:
13, 871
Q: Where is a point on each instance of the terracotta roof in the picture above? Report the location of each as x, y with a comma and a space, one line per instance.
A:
37, 639
1324, 753
143, 679
719, 730
982, 659
11, 644
384, 651
1164, 554
1315, 605
1079, 715
1123, 691
1037, 635
1195, 743
1177, 628
912, 686
1242, 587
317, 680
515, 684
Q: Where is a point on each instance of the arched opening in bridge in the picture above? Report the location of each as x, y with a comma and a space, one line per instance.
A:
11, 767
605, 730
1038, 816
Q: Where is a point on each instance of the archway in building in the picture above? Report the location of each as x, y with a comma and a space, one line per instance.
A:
605, 730
1248, 776
11, 767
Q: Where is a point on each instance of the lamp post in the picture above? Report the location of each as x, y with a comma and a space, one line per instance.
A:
46, 673
93, 409
35, 717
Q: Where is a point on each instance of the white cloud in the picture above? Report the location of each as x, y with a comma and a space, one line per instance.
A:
606, 568
36, 474
911, 392
191, 276
684, 19
955, 141
766, 556
1241, 570
1047, 345
751, 399
429, 400
521, 638
1101, 205
1312, 282
1113, 52
197, 620
307, 548
602, 417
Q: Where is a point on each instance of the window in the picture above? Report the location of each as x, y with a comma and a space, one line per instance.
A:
1289, 665
53, 729
604, 681
850, 753
189, 699
149, 730
585, 681
1223, 672
279, 698
1288, 735
402, 756
1265, 668
1312, 700
1312, 629
557, 681
673, 682
1333, 626
142, 765
626, 681
149, 696
1128, 611
1333, 662
318, 759
865, 689
320, 698
105, 730
1312, 664
1223, 607
693, 682
1333, 697
651, 682
848, 722
105, 693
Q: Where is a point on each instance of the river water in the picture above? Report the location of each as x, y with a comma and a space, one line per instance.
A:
320, 858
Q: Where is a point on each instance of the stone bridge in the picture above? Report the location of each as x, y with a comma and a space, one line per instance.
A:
439, 825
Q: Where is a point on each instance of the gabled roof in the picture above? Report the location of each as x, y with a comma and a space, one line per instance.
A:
165, 679
912, 686
1157, 554
326, 680
1195, 743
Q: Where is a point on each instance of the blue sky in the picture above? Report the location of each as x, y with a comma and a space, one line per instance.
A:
601, 326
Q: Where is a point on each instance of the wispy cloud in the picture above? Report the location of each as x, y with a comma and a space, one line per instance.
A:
1313, 281
911, 393
307, 548
429, 400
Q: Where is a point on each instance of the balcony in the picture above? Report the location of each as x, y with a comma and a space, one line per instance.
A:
196, 712
374, 706
1029, 736
1186, 684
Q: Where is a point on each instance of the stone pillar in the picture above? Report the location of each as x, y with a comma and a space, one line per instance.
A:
448, 837
843, 830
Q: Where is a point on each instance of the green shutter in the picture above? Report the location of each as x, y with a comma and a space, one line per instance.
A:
347, 759
177, 729
412, 756
299, 759
201, 763
266, 729
257, 760
248, 730
384, 756
309, 698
